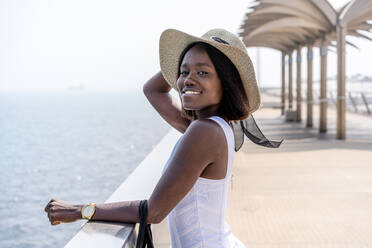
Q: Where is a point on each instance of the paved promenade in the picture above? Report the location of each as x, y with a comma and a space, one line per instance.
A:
313, 191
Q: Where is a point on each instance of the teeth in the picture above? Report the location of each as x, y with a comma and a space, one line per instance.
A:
192, 92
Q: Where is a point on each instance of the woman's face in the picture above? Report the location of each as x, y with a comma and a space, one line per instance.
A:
199, 86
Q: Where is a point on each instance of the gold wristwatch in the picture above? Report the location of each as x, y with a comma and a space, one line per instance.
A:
88, 210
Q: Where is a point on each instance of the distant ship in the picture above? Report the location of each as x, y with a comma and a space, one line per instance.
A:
77, 87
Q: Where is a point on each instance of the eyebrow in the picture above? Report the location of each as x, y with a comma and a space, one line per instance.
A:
198, 64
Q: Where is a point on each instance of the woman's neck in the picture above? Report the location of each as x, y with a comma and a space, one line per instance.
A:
208, 112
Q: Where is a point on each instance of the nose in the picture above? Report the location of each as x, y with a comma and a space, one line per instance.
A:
186, 81
189, 80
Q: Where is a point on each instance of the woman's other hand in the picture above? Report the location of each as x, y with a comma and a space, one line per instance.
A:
61, 211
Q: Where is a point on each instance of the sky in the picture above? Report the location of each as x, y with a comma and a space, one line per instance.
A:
113, 45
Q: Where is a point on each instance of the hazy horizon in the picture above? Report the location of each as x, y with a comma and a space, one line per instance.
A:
111, 45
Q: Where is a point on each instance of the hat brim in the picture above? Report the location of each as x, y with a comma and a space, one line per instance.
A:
173, 42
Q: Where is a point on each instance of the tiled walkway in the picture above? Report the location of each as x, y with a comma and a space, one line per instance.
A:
313, 191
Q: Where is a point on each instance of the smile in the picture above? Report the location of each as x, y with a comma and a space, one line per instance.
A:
191, 92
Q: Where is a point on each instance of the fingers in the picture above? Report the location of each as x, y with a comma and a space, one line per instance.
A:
52, 216
60, 212
48, 205
49, 208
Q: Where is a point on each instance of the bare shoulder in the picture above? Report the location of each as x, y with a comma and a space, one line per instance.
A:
204, 135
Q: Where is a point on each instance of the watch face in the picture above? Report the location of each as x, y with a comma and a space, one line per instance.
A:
88, 210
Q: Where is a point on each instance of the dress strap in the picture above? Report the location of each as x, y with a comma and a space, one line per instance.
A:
225, 126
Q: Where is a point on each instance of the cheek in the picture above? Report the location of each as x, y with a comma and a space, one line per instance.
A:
220, 96
220, 90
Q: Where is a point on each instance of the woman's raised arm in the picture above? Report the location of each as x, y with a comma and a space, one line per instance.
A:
157, 92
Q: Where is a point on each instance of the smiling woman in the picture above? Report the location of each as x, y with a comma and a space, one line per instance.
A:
216, 84
216, 67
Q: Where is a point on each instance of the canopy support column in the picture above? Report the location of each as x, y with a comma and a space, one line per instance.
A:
299, 90
323, 88
341, 105
283, 83
309, 97
290, 91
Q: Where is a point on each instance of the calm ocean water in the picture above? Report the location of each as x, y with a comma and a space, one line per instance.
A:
76, 146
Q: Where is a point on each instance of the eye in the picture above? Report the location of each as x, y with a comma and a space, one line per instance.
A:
183, 73
202, 73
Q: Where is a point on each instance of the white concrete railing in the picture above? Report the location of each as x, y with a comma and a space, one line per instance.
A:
356, 101
139, 185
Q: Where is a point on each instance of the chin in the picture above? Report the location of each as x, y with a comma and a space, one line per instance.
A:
190, 108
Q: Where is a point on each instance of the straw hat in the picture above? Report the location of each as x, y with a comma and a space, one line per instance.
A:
173, 42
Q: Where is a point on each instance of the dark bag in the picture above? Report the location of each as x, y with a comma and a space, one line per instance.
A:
144, 238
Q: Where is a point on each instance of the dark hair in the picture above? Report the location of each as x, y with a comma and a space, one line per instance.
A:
234, 102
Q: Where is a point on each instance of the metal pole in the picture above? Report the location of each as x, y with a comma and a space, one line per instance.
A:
290, 93
353, 102
323, 88
309, 121
341, 105
283, 83
365, 103
258, 67
299, 91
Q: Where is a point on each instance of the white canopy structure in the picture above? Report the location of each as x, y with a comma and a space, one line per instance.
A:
288, 25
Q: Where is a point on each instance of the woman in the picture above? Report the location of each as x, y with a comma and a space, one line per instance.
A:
216, 84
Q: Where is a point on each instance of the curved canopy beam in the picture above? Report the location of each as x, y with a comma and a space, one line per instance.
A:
300, 5
352, 45
267, 45
290, 12
359, 35
361, 26
326, 8
283, 40
295, 22
355, 10
253, 21
301, 34
367, 15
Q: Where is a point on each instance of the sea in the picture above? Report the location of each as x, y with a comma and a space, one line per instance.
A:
74, 145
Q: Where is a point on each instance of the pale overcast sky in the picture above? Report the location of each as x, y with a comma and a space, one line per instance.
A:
112, 44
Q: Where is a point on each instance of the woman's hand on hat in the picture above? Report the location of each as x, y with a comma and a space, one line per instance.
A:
60, 211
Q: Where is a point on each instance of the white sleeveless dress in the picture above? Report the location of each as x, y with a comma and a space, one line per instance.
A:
198, 220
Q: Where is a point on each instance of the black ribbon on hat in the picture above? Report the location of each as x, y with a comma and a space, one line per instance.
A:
218, 39
249, 128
